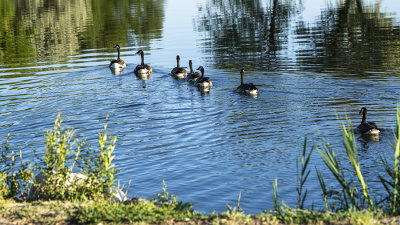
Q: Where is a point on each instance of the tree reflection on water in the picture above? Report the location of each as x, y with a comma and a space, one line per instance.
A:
351, 37
348, 36
241, 32
35, 30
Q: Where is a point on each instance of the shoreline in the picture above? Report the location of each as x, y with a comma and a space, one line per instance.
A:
143, 212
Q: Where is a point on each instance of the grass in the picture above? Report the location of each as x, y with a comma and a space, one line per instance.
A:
149, 212
354, 193
64, 158
88, 201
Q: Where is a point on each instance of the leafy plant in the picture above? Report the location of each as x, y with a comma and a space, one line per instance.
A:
148, 212
3, 186
57, 162
61, 155
236, 209
7, 166
15, 179
171, 201
98, 167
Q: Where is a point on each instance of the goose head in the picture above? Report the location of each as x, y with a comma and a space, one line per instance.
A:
201, 69
363, 110
141, 55
140, 52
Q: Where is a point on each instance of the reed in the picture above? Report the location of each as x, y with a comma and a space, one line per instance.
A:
235, 209
323, 188
351, 150
346, 196
276, 204
304, 173
396, 147
391, 181
351, 196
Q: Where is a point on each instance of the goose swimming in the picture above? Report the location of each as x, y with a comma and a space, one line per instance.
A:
250, 88
117, 64
367, 127
143, 70
178, 72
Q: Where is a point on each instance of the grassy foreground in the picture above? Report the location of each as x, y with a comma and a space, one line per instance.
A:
148, 212
61, 198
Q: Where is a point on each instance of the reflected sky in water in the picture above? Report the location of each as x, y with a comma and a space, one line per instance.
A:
311, 61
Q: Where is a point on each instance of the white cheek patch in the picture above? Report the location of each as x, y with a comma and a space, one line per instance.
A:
117, 66
205, 84
253, 92
143, 71
374, 131
180, 75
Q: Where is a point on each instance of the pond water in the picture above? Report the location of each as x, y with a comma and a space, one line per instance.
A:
311, 60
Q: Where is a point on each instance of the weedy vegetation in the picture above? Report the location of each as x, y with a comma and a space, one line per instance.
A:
57, 172
85, 199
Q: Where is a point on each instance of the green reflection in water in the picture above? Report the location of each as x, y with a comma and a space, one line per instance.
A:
348, 36
246, 32
352, 37
115, 20
41, 30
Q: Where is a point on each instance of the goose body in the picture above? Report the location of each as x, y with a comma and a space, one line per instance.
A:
143, 70
367, 127
178, 72
203, 82
192, 76
117, 64
250, 88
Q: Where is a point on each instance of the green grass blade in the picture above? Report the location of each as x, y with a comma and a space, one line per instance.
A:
351, 150
396, 162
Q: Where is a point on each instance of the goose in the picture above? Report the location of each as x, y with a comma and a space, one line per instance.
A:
193, 76
203, 82
250, 88
178, 72
117, 64
143, 70
367, 127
